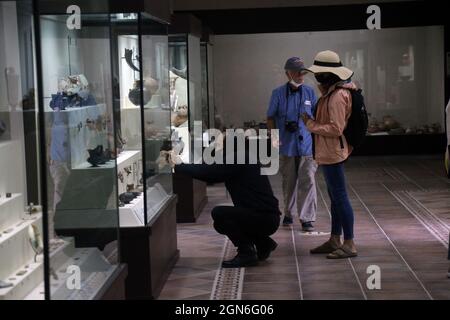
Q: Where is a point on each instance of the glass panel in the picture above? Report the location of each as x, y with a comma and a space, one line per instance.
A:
195, 91
128, 106
205, 106
179, 97
81, 167
21, 241
211, 104
157, 112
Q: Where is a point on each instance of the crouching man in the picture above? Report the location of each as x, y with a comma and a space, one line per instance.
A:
254, 216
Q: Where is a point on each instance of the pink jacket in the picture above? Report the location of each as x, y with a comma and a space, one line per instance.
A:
333, 110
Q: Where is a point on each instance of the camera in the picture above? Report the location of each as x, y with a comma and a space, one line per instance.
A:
291, 126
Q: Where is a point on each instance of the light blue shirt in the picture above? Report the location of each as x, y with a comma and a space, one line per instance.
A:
287, 105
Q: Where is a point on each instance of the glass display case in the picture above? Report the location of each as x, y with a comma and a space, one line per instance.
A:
186, 104
404, 97
82, 154
21, 216
146, 143
142, 109
105, 83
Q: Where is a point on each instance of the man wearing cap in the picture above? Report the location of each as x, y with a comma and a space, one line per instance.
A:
297, 166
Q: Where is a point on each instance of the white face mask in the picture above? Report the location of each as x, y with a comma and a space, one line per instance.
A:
295, 84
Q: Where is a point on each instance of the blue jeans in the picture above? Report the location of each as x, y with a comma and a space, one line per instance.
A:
342, 217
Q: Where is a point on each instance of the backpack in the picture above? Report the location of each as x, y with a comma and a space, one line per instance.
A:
357, 125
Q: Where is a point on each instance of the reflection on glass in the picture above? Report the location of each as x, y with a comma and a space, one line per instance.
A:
402, 97
179, 97
82, 194
127, 106
399, 69
21, 240
185, 90
142, 104
157, 113
400, 94
205, 92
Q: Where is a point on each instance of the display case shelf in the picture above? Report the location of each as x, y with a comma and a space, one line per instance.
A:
65, 256
22, 271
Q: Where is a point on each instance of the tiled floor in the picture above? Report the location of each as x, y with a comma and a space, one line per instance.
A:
402, 221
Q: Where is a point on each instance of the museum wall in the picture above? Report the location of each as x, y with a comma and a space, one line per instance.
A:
400, 70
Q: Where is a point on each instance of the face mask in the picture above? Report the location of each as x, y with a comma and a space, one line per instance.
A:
326, 78
295, 84
322, 77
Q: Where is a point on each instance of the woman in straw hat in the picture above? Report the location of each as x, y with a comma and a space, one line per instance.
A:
331, 149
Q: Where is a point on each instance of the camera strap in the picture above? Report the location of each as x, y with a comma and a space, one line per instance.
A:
287, 103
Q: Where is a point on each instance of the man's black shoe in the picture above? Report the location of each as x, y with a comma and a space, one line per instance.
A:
263, 251
307, 227
241, 261
287, 221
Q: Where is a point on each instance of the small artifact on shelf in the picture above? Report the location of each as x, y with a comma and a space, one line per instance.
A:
120, 177
8, 194
4, 284
397, 131
73, 91
96, 156
32, 209
421, 130
412, 130
128, 170
373, 128
21, 273
390, 123
129, 59
127, 197
135, 94
382, 127
35, 239
436, 127
180, 117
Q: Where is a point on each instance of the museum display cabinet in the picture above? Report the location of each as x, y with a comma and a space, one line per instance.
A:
105, 97
42, 251
21, 215
186, 104
79, 160
147, 205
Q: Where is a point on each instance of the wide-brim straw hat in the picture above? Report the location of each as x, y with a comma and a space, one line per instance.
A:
329, 61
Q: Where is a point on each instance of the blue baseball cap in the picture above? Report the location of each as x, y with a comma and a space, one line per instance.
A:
295, 64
